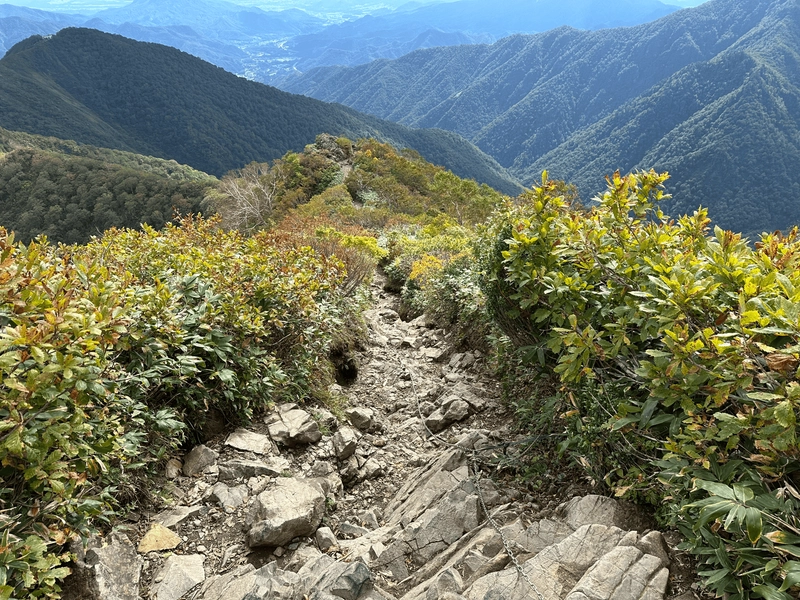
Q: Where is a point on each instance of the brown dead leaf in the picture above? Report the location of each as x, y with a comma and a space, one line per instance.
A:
782, 363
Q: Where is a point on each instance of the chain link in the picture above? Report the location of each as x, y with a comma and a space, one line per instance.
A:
475, 478
496, 526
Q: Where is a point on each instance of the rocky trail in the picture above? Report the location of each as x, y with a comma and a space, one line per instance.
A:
394, 502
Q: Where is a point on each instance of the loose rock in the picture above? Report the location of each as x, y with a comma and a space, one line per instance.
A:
247, 441
159, 538
178, 575
198, 460
295, 427
291, 508
345, 442
325, 539
361, 418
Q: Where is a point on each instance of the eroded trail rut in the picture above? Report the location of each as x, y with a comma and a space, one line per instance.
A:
387, 504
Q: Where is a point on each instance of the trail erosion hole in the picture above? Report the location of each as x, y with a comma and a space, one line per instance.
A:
346, 367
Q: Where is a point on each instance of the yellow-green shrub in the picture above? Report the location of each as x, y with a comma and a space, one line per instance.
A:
692, 341
68, 429
109, 351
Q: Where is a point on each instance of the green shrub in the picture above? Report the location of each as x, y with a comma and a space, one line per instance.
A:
692, 342
228, 322
68, 431
111, 352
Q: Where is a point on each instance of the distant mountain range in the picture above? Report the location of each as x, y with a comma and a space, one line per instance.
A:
268, 46
463, 21
18, 23
109, 91
710, 94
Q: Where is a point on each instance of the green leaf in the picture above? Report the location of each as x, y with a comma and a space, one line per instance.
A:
624, 421
714, 511
716, 489
754, 524
658, 353
784, 414
715, 576
770, 592
792, 576
764, 396
743, 493
781, 537
647, 411
789, 549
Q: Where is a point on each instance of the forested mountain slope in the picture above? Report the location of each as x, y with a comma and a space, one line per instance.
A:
110, 91
709, 93
70, 191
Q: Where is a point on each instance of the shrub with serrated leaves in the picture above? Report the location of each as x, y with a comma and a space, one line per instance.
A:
694, 338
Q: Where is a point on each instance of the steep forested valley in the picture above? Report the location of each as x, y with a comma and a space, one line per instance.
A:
703, 94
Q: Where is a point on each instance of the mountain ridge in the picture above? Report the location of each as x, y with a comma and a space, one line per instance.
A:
279, 42
583, 104
114, 92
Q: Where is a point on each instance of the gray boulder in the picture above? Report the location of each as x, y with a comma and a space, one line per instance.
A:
361, 418
175, 516
112, 570
198, 460
229, 497
248, 441
288, 509
178, 575
345, 442
294, 427
274, 466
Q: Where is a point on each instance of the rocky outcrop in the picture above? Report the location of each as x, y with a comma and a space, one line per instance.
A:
106, 569
179, 574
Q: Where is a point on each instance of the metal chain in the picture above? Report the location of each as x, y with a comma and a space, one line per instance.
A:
475, 479
496, 526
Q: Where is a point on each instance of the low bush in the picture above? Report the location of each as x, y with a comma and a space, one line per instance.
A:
678, 350
112, 353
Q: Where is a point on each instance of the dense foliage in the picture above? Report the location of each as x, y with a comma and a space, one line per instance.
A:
70, 198
708, 94
102, 89
111, 353
18, 140
677, 354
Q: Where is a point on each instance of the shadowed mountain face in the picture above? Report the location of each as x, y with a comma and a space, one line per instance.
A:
710, 94
110, 91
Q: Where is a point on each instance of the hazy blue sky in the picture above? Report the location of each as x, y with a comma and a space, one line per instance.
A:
88, 6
